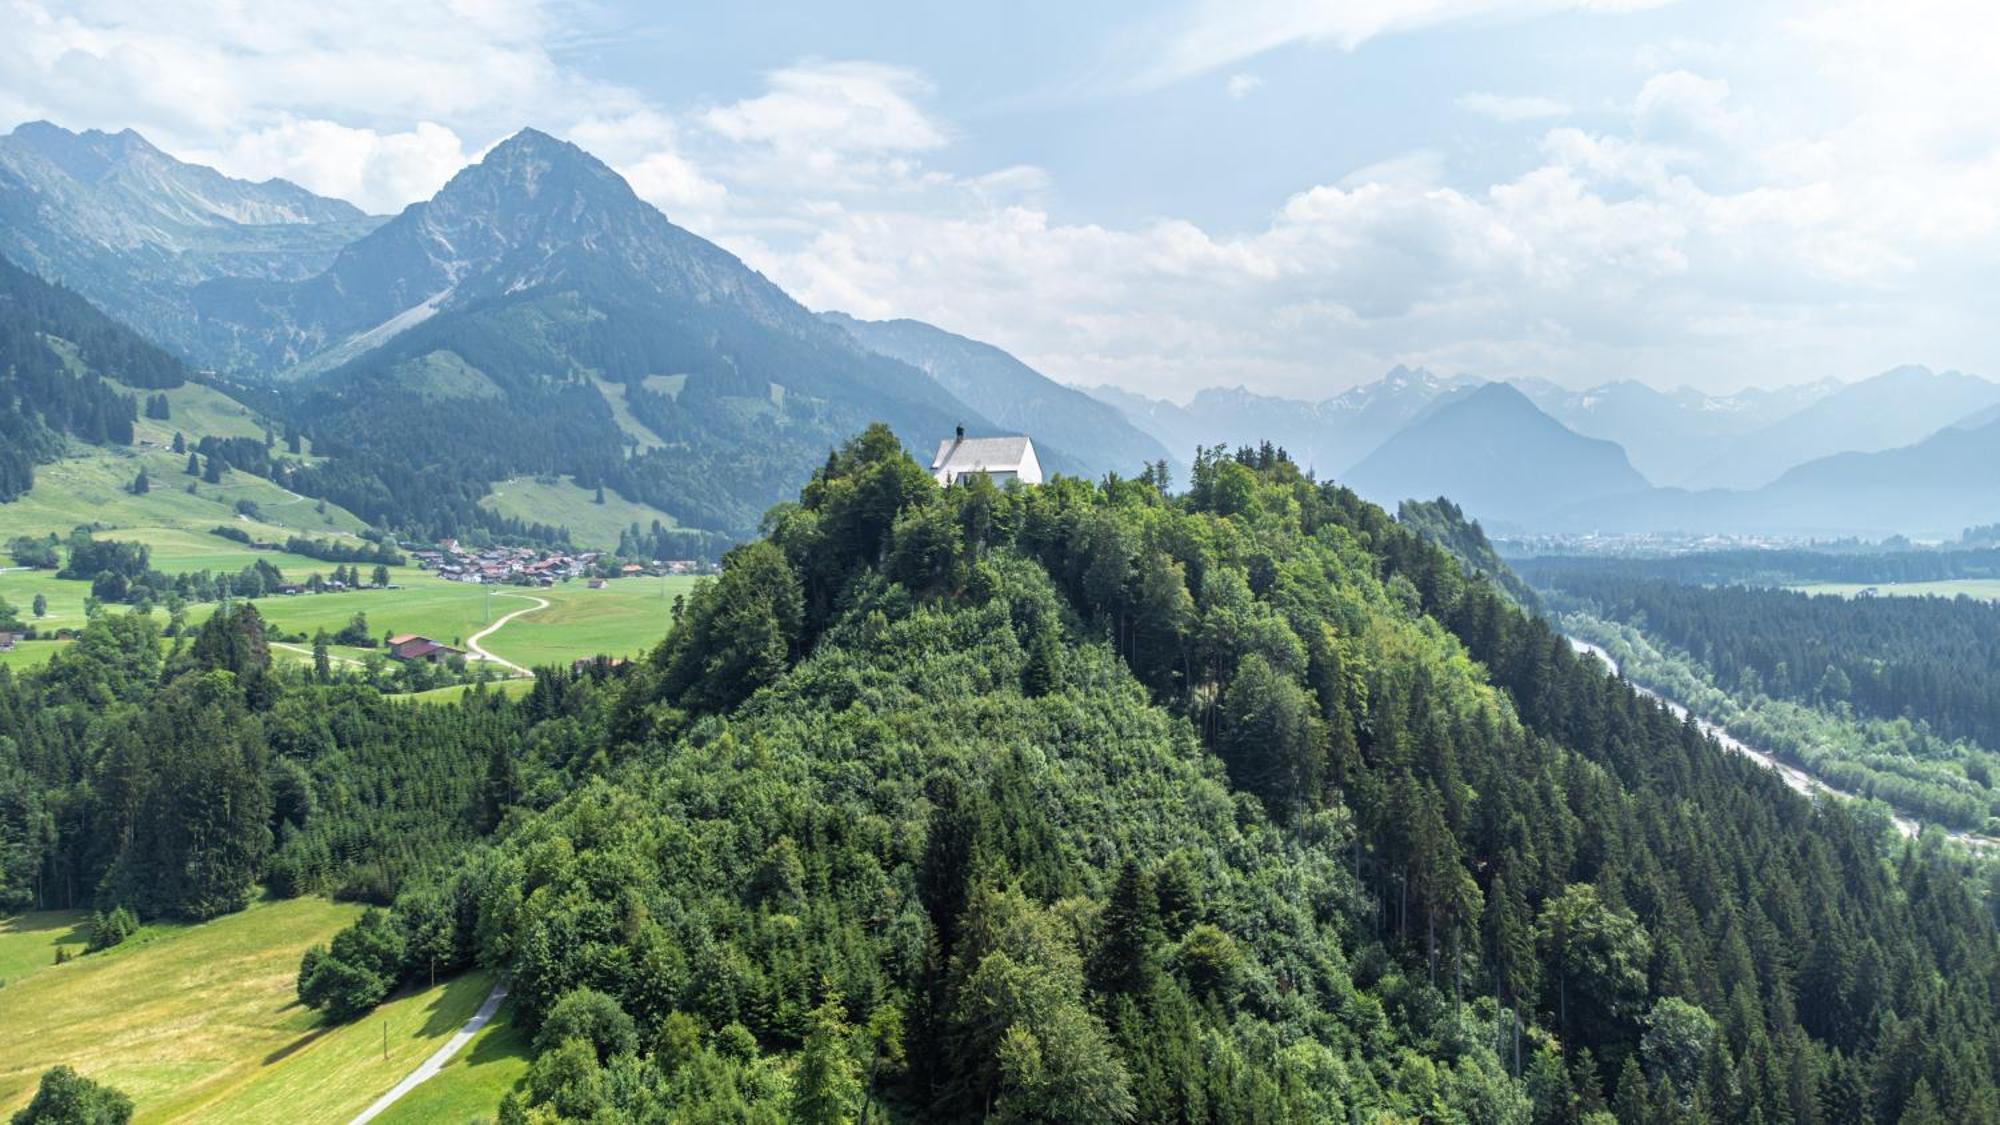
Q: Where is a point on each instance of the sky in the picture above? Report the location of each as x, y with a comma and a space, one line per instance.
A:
1288, 195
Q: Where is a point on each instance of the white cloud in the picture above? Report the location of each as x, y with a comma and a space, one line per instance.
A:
1207, 35
388, 89
834, 107
1824, 199
378, 171
1512, 107
1241, 86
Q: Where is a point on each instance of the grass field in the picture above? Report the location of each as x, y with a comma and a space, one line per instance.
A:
30, 654
174, 1022
473, 1082
560, 501
627, 617
28, 941
196, 412
330, 1075
90, 486
452, 694
1987, 589
200, 1022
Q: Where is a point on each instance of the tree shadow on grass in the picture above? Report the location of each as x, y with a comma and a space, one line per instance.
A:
297, 1045
450, 1009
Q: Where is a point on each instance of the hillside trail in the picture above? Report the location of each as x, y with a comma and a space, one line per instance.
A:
430, 1066
472, 644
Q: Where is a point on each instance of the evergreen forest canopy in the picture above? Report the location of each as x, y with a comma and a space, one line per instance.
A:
1074, 802
1928, 659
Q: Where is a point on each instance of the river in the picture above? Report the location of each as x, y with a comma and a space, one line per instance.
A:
1794, 777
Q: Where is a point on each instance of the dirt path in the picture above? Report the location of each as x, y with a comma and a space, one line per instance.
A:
472, 644
308, 652
439, 1057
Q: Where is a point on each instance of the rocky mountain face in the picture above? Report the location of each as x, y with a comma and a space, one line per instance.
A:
135, 230
537, 316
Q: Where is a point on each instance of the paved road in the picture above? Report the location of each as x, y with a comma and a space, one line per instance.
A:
439, 1057
473, 643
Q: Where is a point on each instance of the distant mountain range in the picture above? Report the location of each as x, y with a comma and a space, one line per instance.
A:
1328, 436
136, 231
1074, 432
1498, 456
1673, 437
536, 316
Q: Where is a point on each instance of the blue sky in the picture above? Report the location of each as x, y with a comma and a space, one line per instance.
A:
1286, 194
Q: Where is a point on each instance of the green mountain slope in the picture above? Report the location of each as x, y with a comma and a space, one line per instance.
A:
57, 354
547, 281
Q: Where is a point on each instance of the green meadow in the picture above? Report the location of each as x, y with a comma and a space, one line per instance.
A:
28, 942
201, 1023
560, 501
471, 1085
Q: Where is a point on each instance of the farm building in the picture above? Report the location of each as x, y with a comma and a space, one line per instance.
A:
410, 646
999, 459
7, 642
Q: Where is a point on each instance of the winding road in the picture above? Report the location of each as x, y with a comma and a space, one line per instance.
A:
439, 1057
472, 643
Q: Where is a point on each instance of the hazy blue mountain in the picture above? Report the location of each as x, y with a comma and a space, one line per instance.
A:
1497, 456
134, 229
1073, 432
1327, 436
1671, 436
1895, 408
562, 324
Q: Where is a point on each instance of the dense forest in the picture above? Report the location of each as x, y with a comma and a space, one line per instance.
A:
1930, 660
1087, 803
1066, 803
1972, 558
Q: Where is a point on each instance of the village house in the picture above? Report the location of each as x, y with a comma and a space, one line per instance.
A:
7, 642
999, 459
411, 646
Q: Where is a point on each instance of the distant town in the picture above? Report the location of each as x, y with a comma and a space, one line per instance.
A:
537, 566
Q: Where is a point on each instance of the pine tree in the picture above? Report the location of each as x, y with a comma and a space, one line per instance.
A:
1127, 959
827, 1085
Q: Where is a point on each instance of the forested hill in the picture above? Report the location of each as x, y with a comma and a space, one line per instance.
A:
1084, 803
1442, 522
55, 352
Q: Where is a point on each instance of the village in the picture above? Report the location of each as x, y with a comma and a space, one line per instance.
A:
537, 566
